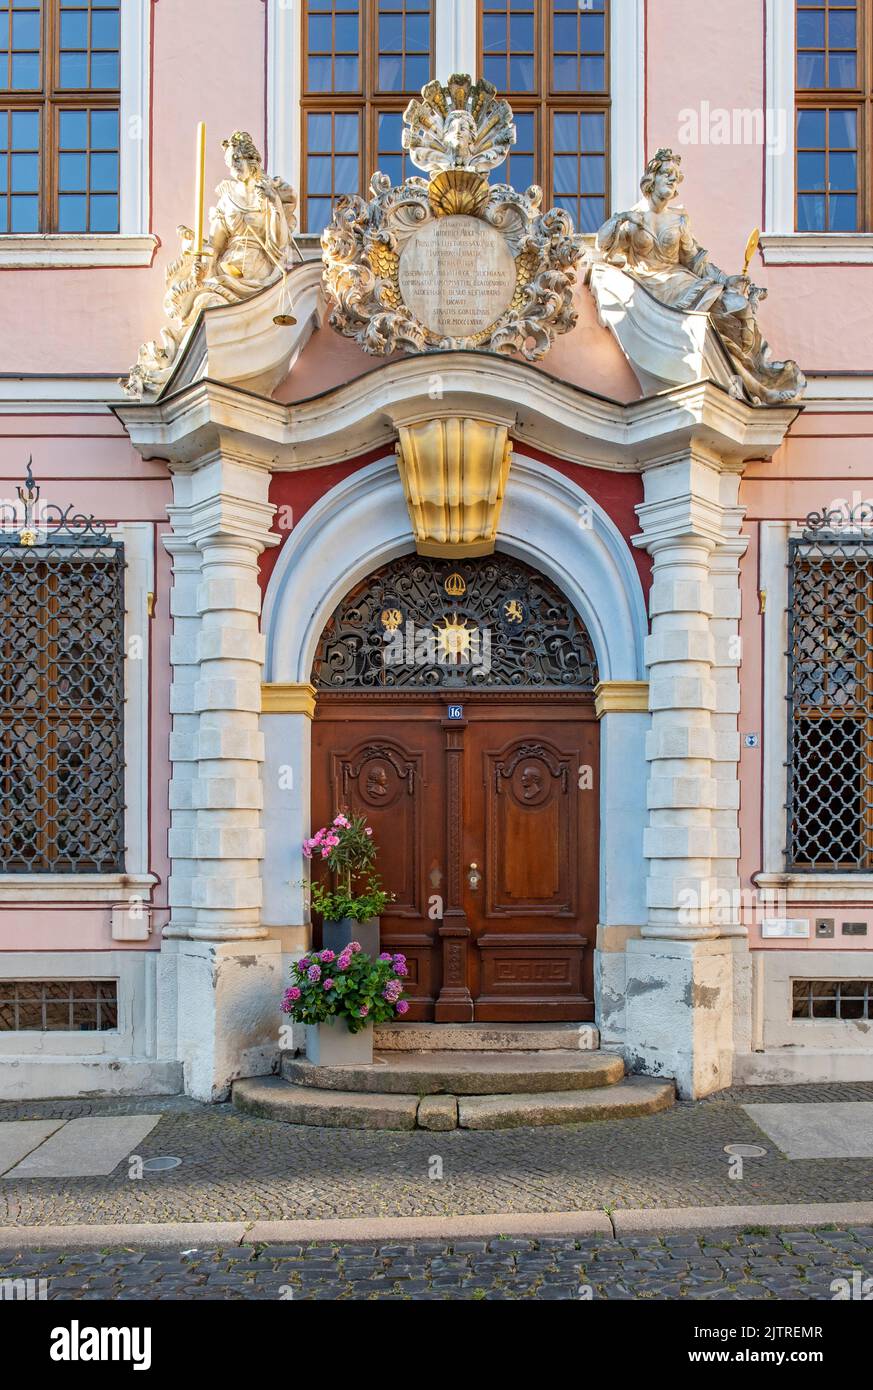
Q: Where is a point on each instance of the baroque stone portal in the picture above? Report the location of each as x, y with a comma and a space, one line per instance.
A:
452, 261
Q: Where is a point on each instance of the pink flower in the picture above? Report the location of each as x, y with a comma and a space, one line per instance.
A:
344, 960
403, 1007
354, 947
293, 993
341, 820
328, 984
368, 831
327, 956
363, 1011
314, 973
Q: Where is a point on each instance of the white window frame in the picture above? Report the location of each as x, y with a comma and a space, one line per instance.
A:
455, 48
132, 245
798, 887
781, 244
135, 881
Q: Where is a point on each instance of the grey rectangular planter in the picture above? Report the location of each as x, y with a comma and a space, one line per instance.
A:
332, 1045
336, 935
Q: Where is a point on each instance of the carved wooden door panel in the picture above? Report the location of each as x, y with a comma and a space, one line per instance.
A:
531, 830
384, 760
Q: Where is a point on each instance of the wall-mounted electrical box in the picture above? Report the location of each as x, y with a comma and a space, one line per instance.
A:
824, 927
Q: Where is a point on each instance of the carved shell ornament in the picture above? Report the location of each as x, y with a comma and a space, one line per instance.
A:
452, 261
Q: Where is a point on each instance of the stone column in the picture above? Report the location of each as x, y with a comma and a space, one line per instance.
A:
679, 985
227, 969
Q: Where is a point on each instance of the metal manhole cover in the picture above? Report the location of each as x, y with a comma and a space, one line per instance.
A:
160, 1165
745, 1151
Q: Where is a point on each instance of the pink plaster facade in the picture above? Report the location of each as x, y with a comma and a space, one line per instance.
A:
209, 61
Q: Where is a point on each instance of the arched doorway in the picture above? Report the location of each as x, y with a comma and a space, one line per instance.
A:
455, 709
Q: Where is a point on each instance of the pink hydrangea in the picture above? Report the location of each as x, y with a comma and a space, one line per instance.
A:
314, 973
343, 961
327, 956
363, 1011
354, 947
328, 984
403, 1007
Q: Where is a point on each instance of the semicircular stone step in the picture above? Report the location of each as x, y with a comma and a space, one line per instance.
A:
462, 1073
274, 1098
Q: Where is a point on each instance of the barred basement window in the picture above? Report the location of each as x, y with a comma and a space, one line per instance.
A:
58, 1006
61, 692
830, 694
836, 999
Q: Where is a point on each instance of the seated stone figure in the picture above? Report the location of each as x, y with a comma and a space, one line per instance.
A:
249, 245
654, 244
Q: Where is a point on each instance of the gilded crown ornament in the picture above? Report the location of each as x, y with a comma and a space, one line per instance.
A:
452, 261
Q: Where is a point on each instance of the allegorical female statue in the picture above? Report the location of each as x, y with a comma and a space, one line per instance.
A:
249, 245
654, 244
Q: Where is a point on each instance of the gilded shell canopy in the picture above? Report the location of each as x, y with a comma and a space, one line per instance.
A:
461, 124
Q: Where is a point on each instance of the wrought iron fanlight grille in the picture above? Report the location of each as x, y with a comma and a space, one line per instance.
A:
830, 693
61, 691
420, 623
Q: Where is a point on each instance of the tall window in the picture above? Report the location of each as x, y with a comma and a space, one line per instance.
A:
830, 697
550, 58
59, 105
363, 60
834, 117
61, 701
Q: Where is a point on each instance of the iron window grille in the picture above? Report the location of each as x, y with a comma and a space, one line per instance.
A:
843, 1000
61, 690
421, 623
58, 1006
830, 693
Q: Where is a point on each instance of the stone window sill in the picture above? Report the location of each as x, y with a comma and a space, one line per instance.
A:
819, 888
75, 888
818, 248
49, 252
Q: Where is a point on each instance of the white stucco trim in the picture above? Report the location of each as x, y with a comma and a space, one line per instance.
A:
122, 1061
58, 394
818, 248
284, 88
627, 86
779, 161
71, 250
135, 116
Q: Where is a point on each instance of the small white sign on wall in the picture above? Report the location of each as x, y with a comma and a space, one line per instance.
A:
785, 926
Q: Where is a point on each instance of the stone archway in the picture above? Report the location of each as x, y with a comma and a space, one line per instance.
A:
364, 523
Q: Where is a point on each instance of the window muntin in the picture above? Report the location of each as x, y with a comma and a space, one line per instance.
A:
550, 57
362, 63
834, 115
59, 116
58, 1006
61, 707
830, 702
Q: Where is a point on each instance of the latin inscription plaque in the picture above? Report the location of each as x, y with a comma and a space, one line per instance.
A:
457, 276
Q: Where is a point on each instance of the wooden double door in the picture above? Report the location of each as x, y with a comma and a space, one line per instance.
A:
485, 815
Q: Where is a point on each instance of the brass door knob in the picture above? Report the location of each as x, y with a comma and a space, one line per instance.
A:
474, 878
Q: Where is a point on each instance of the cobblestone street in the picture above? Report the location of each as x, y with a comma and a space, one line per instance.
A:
236, 1168
752, 1265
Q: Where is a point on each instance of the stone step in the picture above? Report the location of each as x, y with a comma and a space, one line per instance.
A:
274, 1098
636, 1095
461, 1073
485, 1037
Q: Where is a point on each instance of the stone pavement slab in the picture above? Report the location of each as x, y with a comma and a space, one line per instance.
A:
90, 1147
838, 1129
19, 1137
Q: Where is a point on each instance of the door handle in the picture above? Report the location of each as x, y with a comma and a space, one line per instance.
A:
474, 878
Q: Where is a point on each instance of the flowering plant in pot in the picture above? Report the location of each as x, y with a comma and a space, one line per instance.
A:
353, 905
340, 996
